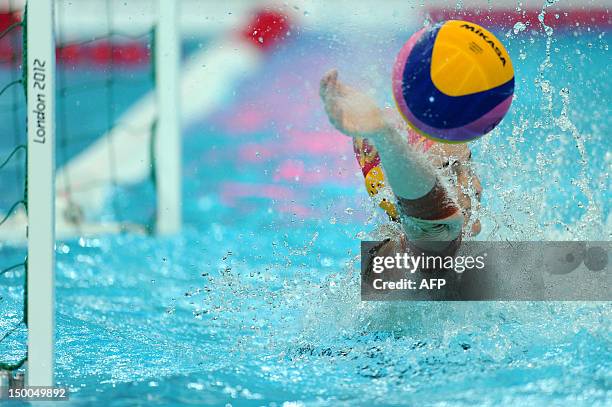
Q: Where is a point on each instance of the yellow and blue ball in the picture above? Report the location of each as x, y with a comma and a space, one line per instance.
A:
453, 82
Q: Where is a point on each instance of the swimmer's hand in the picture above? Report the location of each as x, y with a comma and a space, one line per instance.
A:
350, 111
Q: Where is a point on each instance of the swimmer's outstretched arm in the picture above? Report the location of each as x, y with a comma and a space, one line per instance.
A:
432, 216
356, 115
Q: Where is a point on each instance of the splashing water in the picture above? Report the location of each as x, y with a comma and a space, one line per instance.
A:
258, 300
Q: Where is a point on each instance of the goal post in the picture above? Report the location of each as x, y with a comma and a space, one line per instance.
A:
40, 62
167, 137
158, 109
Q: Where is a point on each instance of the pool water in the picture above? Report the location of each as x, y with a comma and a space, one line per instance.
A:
257, 301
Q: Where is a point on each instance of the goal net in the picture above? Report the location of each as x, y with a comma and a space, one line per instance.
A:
109, 115
88, 90
13, 197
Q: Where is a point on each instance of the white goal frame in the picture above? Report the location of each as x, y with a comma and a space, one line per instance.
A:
167, 146
40, 76
41, 194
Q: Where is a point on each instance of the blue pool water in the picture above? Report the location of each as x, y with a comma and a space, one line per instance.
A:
257, 301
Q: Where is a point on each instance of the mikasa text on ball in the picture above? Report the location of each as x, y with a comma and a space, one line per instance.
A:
453, 82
